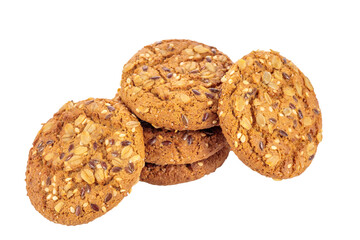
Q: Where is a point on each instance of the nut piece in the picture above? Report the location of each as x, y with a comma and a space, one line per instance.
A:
241, 64
47, 127
142, 109
128, 67
210, 67
126, 152
135, 158
245, 123
272, 161
148, 84
308, 84
239, 104
99, 175
201, 49
307, 121
116, 162
184, 98
260, 120
49, 156
267, 98
266, 77
190, 66
80, 120
85, 138
73, 163
189, 51
59, 206
69, 130
311, 149
298, 87
273, 86
132, 124
137, 80
90, 127
289, 91
319, 136
287, 111
80, 150
87, 175
276, 62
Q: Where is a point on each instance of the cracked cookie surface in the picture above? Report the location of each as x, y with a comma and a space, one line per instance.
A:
175, 84
269, 115
164, 147
175, 174
84, 161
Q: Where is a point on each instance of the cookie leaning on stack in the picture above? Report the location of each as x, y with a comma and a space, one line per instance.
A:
175, 84
269, 115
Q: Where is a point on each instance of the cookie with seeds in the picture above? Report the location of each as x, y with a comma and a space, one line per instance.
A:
175, 84
175, 174
269, 115
84, 161
164, 147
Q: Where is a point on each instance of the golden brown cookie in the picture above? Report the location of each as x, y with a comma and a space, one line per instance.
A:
269, 115
175, 174
164, 147
84, 161
175, 84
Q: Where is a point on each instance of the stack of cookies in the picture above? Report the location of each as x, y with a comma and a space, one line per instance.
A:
174, 86
181, 107
176, 157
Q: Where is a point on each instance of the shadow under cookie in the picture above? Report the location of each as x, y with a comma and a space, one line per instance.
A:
175, 174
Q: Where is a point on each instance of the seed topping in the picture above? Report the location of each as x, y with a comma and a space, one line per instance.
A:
283, 133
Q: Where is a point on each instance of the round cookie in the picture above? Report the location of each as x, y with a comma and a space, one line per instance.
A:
269, 115
175, 174
175, 84
164, 147
84, 161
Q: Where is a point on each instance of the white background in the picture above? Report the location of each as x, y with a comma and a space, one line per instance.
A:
55, 51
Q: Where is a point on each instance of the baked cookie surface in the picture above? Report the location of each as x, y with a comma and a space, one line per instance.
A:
164, 147
84, 161
175, 174
175, 84
269, 115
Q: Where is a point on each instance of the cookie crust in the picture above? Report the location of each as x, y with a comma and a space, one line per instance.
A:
175, 84
164, 147
175, 174
84, 161
269, 115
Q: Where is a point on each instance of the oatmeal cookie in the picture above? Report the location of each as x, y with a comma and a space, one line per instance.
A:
175, 174
175, 84
269, 115
84, 161
164, 147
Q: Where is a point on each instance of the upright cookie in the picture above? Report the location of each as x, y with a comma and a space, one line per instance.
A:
84, 161
181, 147
175, 174
175, 84
269, 115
